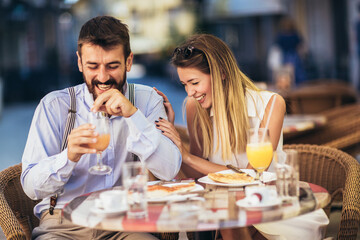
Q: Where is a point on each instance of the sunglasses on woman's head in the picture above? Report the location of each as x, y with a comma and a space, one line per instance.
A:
186, 52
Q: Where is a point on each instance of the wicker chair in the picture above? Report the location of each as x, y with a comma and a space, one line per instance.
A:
319, 96
340, 132
339, 173
350, 110
16, 209
345, 123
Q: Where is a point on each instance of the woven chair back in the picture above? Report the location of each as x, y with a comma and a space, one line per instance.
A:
337, 172
342, 130
18, 220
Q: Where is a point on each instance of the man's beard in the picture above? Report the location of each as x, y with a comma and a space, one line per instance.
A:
91, 86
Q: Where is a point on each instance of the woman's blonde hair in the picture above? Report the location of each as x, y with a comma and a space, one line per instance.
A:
211, 55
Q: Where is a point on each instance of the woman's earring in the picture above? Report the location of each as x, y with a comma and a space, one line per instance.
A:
223, 76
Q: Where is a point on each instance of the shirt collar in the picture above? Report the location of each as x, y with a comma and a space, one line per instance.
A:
88, 97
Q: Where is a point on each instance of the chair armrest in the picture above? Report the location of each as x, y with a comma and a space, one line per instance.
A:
345, 141
8, 221
350, 214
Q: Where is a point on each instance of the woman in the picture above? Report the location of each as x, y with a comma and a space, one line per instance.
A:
222, 104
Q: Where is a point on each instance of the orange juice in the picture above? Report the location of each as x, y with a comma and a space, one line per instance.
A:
259, 155
102, 142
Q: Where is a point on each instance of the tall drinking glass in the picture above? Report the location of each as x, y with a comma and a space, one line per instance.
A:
134, 177
101, 123
259, 151
287, 171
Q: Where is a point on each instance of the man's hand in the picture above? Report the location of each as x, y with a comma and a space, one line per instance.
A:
78, 141
115, 103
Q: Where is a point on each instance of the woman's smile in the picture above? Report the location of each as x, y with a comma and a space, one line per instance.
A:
201, 98
197, 85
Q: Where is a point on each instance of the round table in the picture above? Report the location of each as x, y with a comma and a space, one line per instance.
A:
220, 211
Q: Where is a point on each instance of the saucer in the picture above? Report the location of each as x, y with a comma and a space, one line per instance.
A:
244, 203
108, 213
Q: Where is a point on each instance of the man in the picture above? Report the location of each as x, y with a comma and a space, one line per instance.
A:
104, 57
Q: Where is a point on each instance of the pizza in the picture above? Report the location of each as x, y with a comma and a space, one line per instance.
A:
236, 178
158, 191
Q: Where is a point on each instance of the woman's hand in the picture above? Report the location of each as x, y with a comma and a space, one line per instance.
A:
168, 108
168, 129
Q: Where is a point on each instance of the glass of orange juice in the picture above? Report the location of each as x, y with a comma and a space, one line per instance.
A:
101, 123
259, 150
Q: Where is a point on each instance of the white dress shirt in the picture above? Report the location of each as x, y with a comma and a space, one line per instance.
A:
46, 170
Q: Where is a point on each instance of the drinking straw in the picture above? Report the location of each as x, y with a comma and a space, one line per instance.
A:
268, 120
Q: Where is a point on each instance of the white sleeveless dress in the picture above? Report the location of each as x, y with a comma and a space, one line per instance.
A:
308, 226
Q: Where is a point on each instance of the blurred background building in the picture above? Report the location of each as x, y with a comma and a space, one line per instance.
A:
38, 37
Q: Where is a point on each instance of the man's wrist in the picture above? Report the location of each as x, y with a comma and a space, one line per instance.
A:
132, 112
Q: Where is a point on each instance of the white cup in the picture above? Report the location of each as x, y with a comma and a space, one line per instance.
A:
134, 177
257, 195
287, 173
112, 200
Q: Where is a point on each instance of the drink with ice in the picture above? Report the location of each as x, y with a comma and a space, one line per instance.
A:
135, 182
287, 172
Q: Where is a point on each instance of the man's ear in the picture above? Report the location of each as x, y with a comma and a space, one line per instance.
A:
79, 62
129, 62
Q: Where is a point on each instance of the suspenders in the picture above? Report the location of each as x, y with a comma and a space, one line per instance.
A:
70, 121
131, 93
132, 100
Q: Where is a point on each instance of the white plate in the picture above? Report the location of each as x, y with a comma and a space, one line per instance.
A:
244, 203
172, 198
268, 177
108, 213
176, 197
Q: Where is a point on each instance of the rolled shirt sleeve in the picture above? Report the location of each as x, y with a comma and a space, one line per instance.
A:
159, 153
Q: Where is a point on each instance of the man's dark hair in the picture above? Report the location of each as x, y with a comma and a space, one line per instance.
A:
106, 32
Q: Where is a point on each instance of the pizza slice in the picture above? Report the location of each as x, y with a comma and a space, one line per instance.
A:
237, 178
158, 191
